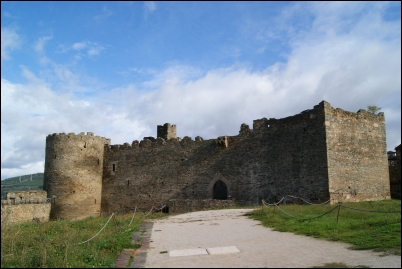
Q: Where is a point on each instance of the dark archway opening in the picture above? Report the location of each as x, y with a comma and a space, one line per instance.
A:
220, 191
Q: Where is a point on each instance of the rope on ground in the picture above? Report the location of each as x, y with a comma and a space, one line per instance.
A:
297, 198
308, 201
163, 206
308, 218
155, 209
133, 216
264, 203
149, 212
98, 232
376, 211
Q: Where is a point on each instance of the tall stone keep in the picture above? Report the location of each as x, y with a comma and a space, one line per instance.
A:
73, 174
166, 131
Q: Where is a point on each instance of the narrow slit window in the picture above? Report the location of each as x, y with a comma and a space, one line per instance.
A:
128, 183
95, 201
114, 168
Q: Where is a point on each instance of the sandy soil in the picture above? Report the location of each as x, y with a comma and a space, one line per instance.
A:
259, 246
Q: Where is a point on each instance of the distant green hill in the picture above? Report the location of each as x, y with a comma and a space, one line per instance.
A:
22, 183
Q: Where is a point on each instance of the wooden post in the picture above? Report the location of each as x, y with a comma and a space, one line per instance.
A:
339, 207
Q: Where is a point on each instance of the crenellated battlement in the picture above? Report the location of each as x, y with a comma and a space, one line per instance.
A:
158, 143
81, 135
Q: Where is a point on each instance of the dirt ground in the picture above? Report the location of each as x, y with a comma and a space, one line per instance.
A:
195, 232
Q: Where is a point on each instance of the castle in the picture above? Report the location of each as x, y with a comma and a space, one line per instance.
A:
319, 154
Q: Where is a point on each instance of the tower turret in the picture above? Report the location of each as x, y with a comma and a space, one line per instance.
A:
73, 174
166, 131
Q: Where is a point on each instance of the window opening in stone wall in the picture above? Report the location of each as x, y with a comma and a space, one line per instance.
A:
95, 201
85, 145
220, 191
128, 183
114, 168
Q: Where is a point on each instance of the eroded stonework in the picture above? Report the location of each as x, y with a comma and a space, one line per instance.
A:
322, 153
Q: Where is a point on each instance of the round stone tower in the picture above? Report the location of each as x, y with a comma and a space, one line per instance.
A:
73, 174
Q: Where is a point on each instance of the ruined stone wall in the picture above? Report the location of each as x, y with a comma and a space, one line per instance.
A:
357, 157
73, 174
31, 196
13, 214
23, 206
275, 158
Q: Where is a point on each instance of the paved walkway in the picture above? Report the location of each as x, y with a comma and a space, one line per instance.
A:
226, 238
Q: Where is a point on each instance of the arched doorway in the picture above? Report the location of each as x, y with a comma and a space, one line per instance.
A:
220, 191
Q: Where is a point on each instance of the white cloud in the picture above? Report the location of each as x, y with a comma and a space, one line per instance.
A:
150, 6
10, 40
79, 46
41, 43
8, 15
39, 49
91, 48
105, 13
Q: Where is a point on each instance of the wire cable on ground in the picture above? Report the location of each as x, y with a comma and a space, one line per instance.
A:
133, 216
155, 209
265, 203
300, 218
98, 232
308, 201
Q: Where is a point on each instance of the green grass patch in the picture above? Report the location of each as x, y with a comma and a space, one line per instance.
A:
361, 229
55, 244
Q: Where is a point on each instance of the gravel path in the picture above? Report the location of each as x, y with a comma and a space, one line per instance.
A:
259, 246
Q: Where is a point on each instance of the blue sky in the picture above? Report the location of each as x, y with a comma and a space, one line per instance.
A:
119, 69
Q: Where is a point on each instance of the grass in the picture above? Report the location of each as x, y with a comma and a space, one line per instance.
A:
55, 244
339, 265
363, 230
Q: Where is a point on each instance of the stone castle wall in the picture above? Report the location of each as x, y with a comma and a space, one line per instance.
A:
318, 154
357, 157
275, 158
73, 174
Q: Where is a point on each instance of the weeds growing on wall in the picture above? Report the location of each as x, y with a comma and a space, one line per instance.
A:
55, 244
361, 229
